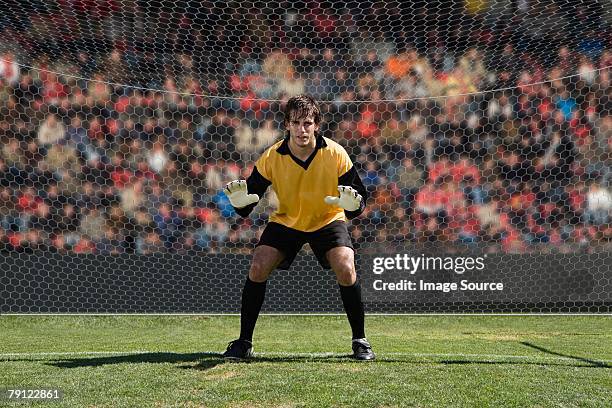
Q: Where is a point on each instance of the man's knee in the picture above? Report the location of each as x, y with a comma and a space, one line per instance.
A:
259, 272
342, 261
345, 274
265, 259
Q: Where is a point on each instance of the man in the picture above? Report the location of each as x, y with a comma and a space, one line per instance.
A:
307, 171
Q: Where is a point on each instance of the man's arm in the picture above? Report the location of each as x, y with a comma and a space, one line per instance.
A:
256, 184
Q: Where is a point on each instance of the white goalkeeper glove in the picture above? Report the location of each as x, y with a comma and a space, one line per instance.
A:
238, 195
349, 198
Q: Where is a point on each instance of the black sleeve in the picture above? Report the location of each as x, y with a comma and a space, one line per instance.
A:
351, 178
256, 184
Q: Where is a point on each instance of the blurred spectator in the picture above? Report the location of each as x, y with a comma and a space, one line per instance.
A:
98, 90
157, 158
394, 130
598, 205
132, 197
266, 135
244, 140
566, 104
51, 131
67, 219
429, 203
9, 69
168, 225
62, 157
53, 89
291, 86
93, 224
409, 179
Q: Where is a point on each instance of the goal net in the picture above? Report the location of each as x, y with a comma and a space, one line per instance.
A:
481, 129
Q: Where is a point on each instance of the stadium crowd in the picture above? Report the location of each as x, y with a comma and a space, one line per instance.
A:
489, 137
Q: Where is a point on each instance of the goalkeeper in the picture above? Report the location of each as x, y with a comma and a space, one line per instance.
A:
318, 188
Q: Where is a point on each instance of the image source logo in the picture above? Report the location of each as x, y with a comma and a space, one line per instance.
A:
409, 273
422, 278
412, 265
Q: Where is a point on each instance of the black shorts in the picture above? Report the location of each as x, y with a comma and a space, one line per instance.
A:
289, 241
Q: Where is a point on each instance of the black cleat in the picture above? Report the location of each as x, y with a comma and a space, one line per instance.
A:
238, 350
362, 350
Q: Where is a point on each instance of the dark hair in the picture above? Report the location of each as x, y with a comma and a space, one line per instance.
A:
303, 105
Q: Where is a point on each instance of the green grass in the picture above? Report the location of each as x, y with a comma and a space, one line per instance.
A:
423, 361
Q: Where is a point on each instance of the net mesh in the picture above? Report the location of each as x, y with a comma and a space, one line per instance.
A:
476, 126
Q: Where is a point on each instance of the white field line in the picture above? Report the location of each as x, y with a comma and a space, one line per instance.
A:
305, 355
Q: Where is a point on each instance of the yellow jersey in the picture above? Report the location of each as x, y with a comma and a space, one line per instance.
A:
301, 186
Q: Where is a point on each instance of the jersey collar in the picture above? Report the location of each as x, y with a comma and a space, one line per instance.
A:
284, 150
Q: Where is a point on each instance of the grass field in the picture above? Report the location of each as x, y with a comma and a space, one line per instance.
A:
423, 361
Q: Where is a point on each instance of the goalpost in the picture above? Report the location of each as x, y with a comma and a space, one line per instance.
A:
481, 129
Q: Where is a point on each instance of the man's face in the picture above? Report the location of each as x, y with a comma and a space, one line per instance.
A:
302, 131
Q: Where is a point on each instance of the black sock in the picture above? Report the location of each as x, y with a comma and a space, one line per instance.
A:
351, 299
253, 295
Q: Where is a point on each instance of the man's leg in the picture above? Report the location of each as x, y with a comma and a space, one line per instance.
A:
342, 262
265, 260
